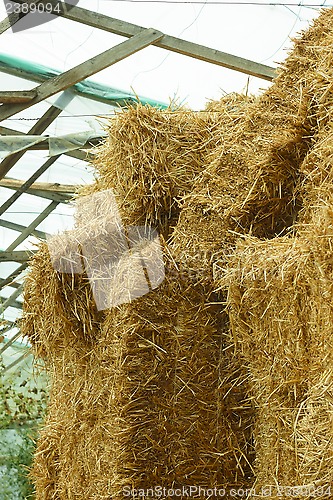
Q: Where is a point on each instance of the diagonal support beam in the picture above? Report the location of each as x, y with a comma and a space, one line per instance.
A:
54, 187
10, 20
43, 123
13, 285
17, 256
13, 17
48, 195
28, 230
11, 300
26, 185
13, 275
18, 227
123, 28
14, 96
11, 341
84, 70
9, 325
16, 362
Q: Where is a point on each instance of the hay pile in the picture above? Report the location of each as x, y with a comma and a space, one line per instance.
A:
161, 391
280, 304
280, 301
151, 158
142, 394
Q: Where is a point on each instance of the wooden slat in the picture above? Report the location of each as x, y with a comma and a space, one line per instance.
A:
15, 96
16, 362
13, 17
77, 153
16, 256
18, 227
45, 145
84, 70
9, 325
123, 28
28, 230
7, 281
13, 285
47, 195
27, 184
43, 123
11, 300
11, 341
10, 20
41, 186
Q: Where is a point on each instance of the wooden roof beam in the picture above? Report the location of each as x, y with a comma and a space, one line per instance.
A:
123, 28
17, 96
40, 186
47, 195
27, 184
77, 153
13, 275
10, 20
10, 301
16, 256
83, 71
18, 227
38, 128
29, 229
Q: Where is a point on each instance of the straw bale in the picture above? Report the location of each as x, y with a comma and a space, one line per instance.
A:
174, 422
146, 393
267, 315
280, 297
149, 400
249, 185
280, 307
256, 180
150, 158
156, 391
71, 316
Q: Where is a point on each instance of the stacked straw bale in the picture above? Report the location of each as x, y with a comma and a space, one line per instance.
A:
155, 392
142, 394
280, 300
151, 158
280, 304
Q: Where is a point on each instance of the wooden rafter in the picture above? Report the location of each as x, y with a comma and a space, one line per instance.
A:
27, 184
18, 227
16, 362
77, 153
11, 341
13, 284
16, 256
47, 195
12, 299
40, 126
84, 70
122, 28
45, 145
40, 186
10, 20
13, 275
14, 96
29, 229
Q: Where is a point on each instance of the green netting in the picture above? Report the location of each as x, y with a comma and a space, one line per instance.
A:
86, 88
